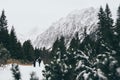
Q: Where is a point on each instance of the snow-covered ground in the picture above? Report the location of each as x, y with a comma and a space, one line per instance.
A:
6, 73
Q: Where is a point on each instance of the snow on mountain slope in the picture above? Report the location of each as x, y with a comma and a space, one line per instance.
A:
31, 35
76, 21
21, 37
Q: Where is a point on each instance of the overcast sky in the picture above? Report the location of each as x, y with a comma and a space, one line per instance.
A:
33, 15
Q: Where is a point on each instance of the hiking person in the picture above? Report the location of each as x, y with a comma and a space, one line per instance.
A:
34, 63
39, 60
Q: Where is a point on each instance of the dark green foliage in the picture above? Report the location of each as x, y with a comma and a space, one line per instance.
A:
117, 32
109, 27
91, 59
15, 71
101, 23
105, 29
37, 53
4, 55
75, 42
62, 46
117, 29
13, 43
55, 46
72, 57
103, 51
57, 69
46, 55
28, 51
4, 36
19, 51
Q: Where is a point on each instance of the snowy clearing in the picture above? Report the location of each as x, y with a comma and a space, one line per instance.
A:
6, 73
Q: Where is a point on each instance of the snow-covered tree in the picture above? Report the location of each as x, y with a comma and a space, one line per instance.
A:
91, 59
102, 63
57, 69
16, 72
33, 76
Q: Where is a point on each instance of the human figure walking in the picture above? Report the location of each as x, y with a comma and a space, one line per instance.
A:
39, 61
34, 63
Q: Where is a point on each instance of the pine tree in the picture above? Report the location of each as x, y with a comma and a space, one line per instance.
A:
105, 30
19, 51
16, 72
117, 35
117, 29
73, 55
101, 25
4, 36
54, 48
101, 62
4, 55
28, 50
57, 69
85, 58
75, 42
109, 27
13, 43
38, 53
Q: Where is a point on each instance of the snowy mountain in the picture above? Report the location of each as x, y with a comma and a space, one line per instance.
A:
21, 37
31, 35
74, 22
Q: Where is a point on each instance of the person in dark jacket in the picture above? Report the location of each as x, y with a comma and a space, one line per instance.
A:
39, 60
34, 63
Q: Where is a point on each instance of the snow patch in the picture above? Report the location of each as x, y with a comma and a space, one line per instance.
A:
6, 73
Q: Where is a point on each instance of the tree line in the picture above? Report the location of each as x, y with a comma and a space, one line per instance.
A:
10, 46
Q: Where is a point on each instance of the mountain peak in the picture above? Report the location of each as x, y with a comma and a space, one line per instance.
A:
85, 10
74, 22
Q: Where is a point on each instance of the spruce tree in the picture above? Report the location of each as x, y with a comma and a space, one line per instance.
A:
19, 51
28, 51
101, 62
117, 35
101, 23
117, 25
37, 53
85, 58
57, 69
117, 30
13, 43
73, 56
4, 36
109, 27
105, 30
74, 44
16, 72
54, 48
